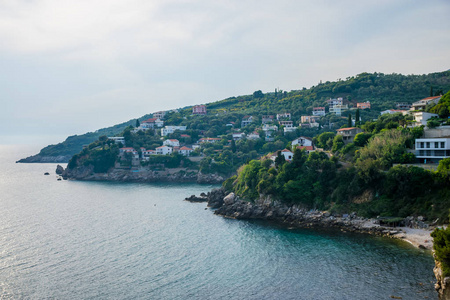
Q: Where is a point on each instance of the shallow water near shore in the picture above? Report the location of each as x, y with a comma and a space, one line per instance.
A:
94, 240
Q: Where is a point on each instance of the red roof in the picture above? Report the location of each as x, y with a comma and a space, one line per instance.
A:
286, 150
185, 135
127, 148
151, 120
308, 148
430, 98
319, 108
348, 128
173, 140
185, 148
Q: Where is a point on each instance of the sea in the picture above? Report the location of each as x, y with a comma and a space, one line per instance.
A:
99, 240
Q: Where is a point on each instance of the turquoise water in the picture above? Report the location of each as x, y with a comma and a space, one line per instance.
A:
91, 240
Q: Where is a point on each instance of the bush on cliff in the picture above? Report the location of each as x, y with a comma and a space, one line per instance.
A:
441, 246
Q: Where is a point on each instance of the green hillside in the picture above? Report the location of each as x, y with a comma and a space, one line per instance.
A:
382, 90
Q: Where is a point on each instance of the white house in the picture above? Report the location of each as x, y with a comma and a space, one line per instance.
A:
286, 123
134, 153
288, 155
421, 104
117, 139
432, 150
318, 111
185, 151
172, 143
238, 136
208, 140
267, 119
253, 136
159, 115
392, 111
246, 120
171, 129
302, 141
289, 129
283, 116
151, 124
422, 117
164, 150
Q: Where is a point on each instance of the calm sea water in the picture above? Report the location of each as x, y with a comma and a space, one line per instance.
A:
90, 240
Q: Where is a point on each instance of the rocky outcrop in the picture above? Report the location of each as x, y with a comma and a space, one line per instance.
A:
195, 199
141, 175
215, 198
59, 170
442, 285
45, 159
266, 208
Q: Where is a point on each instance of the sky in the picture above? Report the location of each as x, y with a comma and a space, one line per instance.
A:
69, 67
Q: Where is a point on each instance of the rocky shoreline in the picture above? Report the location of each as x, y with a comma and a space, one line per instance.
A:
60, 159
265, 208
140, 175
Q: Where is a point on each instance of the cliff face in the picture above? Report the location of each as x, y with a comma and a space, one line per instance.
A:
45, 159
442, 285
141, 175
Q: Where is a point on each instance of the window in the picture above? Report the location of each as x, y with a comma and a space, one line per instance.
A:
442, 145
428, 145
422, 145
436, 144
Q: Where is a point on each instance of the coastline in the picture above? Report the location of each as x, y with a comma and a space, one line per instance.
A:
293, 216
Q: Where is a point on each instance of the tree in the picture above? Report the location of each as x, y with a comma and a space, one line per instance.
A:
357, 121
349, 120
338, 143
138, 123
431, 91
233, 146
279, 160
258, 94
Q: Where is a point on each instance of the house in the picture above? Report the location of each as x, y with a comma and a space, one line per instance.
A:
117, 139
199, 110
422, 117
253, 136
246, 120
238, 136
307, 149
349, 133
159, 115
309, 121
288, 155
302, 141
421, 104
318, 111
432, 150
392, 111
335, 101
185, 151
289, 129
151, 124
363, 105
171, 129
284, 116
208, 140
172, 143
286, 123
268, 131
147, 153
164, 150
134, 154
336, 106
267, 119
403, 106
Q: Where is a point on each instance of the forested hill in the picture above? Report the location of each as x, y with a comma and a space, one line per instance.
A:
382, 90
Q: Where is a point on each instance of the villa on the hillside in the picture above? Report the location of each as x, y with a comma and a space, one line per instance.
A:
171, 129
284, 116
246, 120
432, 150
164, 150
421, 104
267, 119
172, 143
185, 151
117, 139
318, 111
199, 110
363, 105
302, 141
349, 133
208, 140
421, 117
238, 136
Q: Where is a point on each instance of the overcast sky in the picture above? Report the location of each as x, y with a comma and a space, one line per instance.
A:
68, 67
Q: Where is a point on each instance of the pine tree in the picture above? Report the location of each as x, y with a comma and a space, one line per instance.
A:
349, 121
138, 123
357, 121
431, 91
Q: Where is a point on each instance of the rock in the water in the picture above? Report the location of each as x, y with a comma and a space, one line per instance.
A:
194, 198
59, 169
215, 198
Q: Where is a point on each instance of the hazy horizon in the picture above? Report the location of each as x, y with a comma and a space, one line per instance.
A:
71, 68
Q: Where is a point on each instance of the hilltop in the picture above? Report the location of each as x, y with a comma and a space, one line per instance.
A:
383, 91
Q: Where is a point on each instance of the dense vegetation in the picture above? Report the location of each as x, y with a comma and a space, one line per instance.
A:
360, 176
382, 90
441, 246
